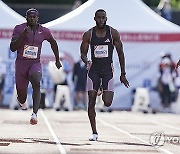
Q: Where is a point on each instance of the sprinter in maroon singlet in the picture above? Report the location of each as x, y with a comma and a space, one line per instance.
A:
102, 39
27, 40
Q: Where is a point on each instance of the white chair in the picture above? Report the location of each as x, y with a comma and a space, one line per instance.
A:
141, 100
99, 102
63, 98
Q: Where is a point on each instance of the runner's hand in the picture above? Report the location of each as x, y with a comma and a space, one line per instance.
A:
124, 81
27, 29
178, 64
58, 64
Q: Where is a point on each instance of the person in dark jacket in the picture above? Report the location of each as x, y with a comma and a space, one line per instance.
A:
79, 79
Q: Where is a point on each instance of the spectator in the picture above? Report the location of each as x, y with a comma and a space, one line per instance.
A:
76, 4
2, 79
166, 85
79, 79
66, 69
164, 9
58, 76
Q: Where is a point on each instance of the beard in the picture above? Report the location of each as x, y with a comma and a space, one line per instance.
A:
101, 25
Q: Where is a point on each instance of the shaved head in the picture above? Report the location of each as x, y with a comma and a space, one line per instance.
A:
99, 10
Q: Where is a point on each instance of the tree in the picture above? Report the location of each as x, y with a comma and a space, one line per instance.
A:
154, 3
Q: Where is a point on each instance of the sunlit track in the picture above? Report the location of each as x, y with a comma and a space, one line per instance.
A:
125, 132
165, 125
68, 132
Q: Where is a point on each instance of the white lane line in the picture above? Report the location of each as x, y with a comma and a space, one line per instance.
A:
122, 131
165, 125
58, 143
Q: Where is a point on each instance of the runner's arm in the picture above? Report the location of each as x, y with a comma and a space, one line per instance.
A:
119, 48
85, 46
55, 50
16, 41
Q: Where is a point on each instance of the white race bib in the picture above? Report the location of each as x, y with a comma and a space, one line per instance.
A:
101, 51
30, 52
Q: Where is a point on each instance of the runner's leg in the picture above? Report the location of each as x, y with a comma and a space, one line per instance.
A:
35, 79
91, 110
107, 98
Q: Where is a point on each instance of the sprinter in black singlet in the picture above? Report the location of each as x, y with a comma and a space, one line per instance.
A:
102, 39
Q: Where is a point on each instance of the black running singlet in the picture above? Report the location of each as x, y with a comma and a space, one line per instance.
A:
102, 47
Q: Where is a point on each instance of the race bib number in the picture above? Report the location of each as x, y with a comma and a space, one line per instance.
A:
30, 52
101, 51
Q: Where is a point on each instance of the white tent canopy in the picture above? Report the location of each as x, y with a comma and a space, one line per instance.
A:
144, 34
9, 18
124, 15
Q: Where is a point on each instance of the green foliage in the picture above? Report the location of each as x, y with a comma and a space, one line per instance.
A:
175, 3
154, 3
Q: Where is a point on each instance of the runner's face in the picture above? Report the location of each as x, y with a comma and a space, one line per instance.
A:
100, 19
32, 19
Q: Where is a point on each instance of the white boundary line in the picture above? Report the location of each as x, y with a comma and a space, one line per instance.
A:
122, 131
165, 125
58, 143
